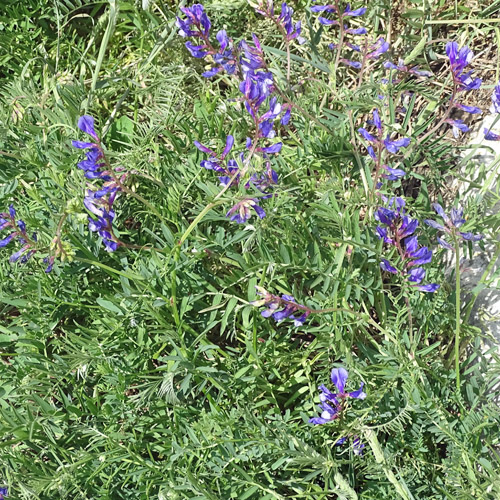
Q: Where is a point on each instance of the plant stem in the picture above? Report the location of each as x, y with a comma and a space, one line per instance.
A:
457, 311
341, 42
407, 300
288, 62
443, 118
363, 65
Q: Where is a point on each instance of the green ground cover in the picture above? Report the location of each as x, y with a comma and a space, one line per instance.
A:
147, 372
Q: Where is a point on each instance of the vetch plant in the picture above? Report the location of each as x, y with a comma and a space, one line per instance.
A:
379, 147
334, 404
451, 225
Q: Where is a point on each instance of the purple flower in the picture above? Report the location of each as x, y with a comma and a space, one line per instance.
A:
4, 493
451, 225
495, 99
392, 146
366, 135
282, 307
99, 201
198, 51
18, 231
354, 13
284, 20
474, 110
348, 62
332, 404
397, 229
196, 23
328, 414
357, 446
395, 146
401, 66
50, 262
263, 181
386, 266
393, 174
377, 49
86, 124
7, 240
457, 126
491, 136
240, 212
459, 60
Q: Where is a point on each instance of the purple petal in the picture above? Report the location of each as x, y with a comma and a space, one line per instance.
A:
275, 148
471, 236
432, 287
444, 244
286, 117
86, 124
229, 145
7, 240
491, 136
339, 377
211, 72
434, 224
469, 109
359, 394
203, 148
416, 275
82, 144
439, 210
366, 135
386, 266
318, 421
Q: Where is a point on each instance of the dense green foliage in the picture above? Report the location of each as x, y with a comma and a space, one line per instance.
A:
147, 373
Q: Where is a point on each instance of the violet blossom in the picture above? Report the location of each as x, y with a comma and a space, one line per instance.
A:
284, 21
451, 226
333, 404
397, 229
17, 231
280, 308
197, 25
495, 108
99, 201
377, 143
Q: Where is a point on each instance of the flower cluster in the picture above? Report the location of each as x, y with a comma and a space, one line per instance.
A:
280, 308
397, 229
459, 60
4, 493
100, 201
378, 144
17, 231
330, 9
333, 404
368, 52
495, 108
403, 68
357, 445
284, 21
451, 225
197, 25
463, 81
256, 87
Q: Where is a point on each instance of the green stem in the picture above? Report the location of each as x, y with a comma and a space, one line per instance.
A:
457, 311
173, 285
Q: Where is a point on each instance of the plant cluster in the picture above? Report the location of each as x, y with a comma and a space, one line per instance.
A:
289, 182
